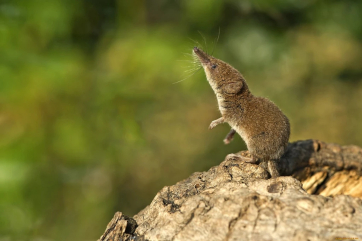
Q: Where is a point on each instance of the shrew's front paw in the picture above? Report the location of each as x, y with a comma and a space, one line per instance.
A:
216, 122
213, 124
229, 137
227, 141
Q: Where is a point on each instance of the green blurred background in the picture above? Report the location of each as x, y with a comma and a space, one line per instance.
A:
91, 122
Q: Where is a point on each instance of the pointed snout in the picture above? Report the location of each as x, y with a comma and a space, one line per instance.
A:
203, 57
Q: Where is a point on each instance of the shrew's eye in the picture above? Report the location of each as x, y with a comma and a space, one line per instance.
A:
214, 66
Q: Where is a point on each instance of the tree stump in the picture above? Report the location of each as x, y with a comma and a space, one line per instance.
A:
317, 198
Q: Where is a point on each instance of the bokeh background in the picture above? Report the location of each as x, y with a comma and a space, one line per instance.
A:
92, 123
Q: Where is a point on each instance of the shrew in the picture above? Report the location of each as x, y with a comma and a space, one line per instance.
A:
261, 124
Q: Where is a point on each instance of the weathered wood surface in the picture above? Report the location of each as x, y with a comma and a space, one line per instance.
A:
236, 201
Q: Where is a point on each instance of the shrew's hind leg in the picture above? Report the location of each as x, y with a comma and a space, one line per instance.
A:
273, 168
236, 157
230, 136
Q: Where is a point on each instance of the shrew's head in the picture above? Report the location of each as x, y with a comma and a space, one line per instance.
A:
223, 78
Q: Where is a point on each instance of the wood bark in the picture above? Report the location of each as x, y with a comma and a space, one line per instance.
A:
317, 198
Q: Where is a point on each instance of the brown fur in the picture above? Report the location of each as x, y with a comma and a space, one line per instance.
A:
261, 124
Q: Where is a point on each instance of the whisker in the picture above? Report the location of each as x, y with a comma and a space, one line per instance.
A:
191, 70
188, 54
217, 40
195, 63
196, 42
185, 60
204, 41
187, 76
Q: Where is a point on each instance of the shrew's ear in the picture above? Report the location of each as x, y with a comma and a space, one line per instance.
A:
233, 87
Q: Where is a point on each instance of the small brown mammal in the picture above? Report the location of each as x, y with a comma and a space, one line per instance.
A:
261, 124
